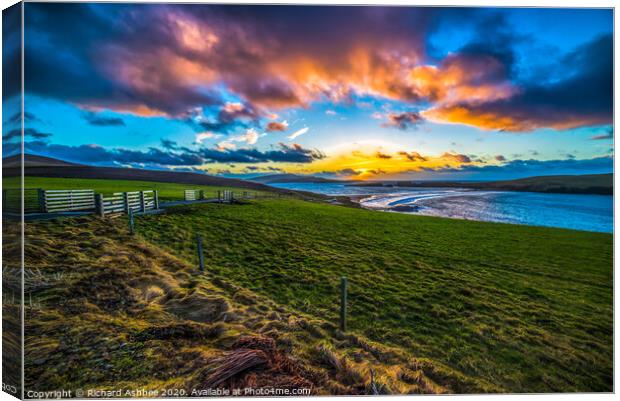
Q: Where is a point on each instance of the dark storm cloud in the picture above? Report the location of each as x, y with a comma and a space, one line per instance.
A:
584, 98
169, 144
171, 59
69, 42
403, 121
28, 132
95, 154
542, 167
284, 153
230, 117
11, 51
413, 156
16, 118
101, 121
155, 59
608, 135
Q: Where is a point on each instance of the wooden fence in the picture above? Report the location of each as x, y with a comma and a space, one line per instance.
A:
38, 200
12, 200
225, 196
123, 202
71, 200
194, 194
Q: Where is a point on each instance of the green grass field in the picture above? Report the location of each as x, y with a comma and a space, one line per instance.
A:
527, 309
511, 308
167, 191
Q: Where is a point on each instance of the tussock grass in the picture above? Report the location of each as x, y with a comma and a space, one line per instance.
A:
118, 312
482, 306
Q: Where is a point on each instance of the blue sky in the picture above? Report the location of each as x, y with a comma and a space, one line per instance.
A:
346, 92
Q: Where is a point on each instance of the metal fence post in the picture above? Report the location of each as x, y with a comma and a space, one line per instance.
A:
343, 304
201, 259
99, 205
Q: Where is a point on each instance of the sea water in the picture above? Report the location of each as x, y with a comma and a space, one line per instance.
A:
578, 212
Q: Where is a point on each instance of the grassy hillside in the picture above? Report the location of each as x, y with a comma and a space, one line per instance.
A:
528, 309
284, 178
167, 190
37, 166
105, 310
602, 184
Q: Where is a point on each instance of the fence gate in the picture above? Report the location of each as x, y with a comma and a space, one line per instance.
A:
194, 194
33, 200
73, 200
123, 202
190, 195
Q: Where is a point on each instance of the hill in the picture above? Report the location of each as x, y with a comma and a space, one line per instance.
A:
571, 184
285, 178
38, 166
34, 161
435, 305
147, 319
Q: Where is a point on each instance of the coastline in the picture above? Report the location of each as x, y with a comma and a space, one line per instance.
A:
592, 184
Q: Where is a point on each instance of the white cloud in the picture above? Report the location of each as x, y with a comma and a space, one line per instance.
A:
250, 137
225, 145
232, 107
331, 112
298, 133
205, 135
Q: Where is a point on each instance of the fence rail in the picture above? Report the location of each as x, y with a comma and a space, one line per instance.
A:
68, 200
37, 200
194, 194
12, 200
123, 202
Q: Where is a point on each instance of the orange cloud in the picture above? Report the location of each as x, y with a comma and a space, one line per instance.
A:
272, 64
513, 120
277, 126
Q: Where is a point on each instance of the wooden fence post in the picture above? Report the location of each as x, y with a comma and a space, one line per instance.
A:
131, 223
41, 198
219, 196
99, 205
343, 304
156, 199
126, 202
201, 260
142, 202
201, 194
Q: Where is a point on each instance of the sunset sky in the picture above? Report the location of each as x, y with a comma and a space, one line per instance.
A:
345, 92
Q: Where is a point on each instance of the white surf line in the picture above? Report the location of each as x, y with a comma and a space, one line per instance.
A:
387, 201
